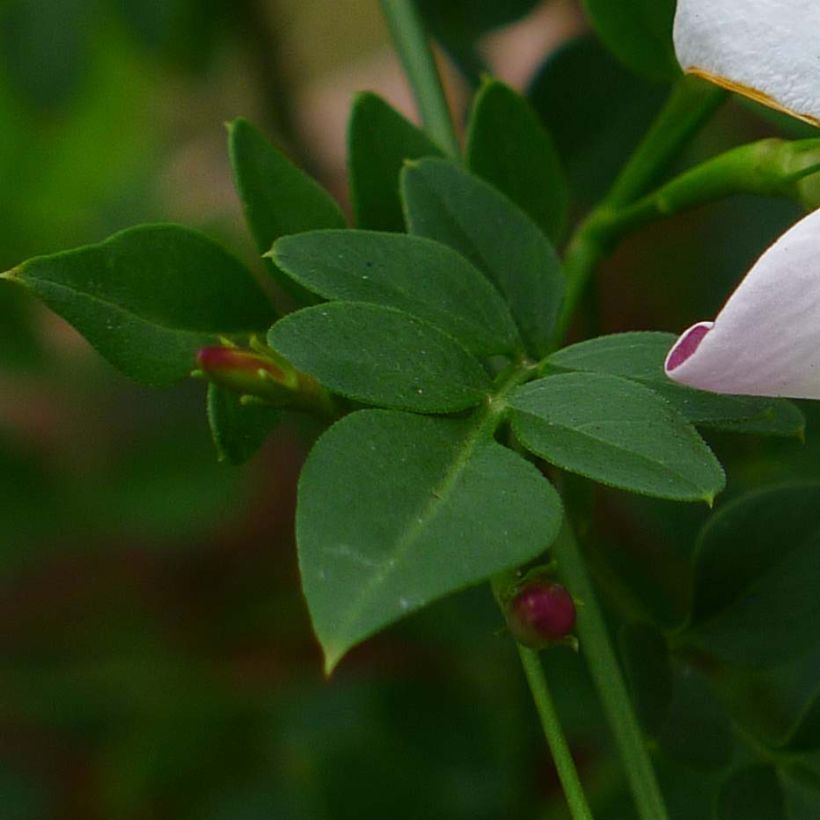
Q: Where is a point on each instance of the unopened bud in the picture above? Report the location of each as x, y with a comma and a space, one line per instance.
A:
541, 613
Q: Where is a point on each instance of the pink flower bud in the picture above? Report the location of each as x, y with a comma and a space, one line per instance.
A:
244, 371
541, 613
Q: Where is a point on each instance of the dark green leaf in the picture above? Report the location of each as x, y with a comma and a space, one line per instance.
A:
277, 197
753, 793
508, 146
381, 356
596, 112
617, 432
640, 357
805, 734
757, 577
397, 510
379, 141
423, 278
675, 701
444, 203
639, 33
238, 430
457, 24
148, 298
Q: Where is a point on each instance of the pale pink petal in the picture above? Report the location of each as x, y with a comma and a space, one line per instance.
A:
766, 340
766, 49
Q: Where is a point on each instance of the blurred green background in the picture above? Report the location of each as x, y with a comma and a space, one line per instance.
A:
156, 659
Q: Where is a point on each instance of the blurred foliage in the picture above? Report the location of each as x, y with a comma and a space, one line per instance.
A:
156, 655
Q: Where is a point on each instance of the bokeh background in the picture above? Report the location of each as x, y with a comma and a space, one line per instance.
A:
156, 659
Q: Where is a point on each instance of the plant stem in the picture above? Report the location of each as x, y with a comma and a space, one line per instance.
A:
606, 674
568, 774
689, 106
407, 31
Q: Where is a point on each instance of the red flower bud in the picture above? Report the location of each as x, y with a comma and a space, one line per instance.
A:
541, 613
245, 371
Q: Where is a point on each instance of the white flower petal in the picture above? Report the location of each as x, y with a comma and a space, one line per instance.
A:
766, 49
766, 340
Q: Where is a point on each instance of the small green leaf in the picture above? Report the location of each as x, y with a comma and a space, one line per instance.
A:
397, 510
447, 204
381, 356
148, 298
753, 793
238, 429
508, 146
277, 197
639, 34
640, 357
379, 141
675, 701
617, 432
757, 577
597, 130
423, 278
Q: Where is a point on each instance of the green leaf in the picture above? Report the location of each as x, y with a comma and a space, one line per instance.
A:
379, 141
597, 130
640, 357
457, 24
423, 278
508, 146
757, 577
238, 429
639, 34
397, 510
617, 432
148, 298
381, 356
447, 204
753, 793
676, 703
805, 733
277, 197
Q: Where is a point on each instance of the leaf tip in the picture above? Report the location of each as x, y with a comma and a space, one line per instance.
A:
332, 658
11, 275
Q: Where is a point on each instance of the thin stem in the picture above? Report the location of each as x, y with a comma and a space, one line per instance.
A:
689, 106
407, 31
568, 774
606, 674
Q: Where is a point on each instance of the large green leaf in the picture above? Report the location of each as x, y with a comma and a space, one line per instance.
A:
447, 204
238, 430
277, 197
508, 146
640, 356
639, 33
676, 703
617, 432
757, 577
597, 130
148, 298
423, 278
379, 141
381, 356
397, 510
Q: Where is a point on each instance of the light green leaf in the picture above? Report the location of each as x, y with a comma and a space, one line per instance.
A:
508, 146
397, 510
148, 298
277, 197
639, 33
640, 357
423, 278
757, 577
445, 203
238, 430
379, 141
616, 432
381, 356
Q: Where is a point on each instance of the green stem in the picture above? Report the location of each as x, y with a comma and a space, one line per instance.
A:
407, 31
568, 774
609, 682
689, 106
